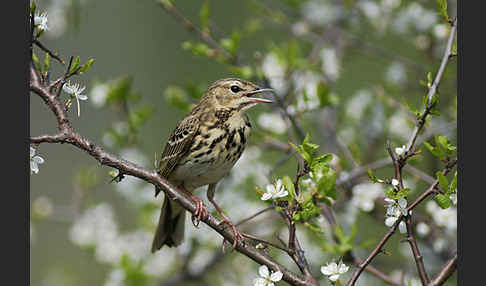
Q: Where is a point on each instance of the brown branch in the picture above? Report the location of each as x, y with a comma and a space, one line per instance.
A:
392, 229
42, 47
416, 252
445, 272
329, 215
433, 88
69, 136
193, 28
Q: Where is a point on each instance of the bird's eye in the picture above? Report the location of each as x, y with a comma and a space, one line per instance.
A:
235, 88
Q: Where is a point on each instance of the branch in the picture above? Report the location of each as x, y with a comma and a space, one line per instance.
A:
68, 135
416, 252
445, 272
193, 28
433, 88
389, 233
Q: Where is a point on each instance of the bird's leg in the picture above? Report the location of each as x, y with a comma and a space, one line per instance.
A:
201, 210
210, 194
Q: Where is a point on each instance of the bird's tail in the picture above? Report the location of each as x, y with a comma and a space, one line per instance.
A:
170, 230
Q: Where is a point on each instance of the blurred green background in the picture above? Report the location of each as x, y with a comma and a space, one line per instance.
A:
140, 39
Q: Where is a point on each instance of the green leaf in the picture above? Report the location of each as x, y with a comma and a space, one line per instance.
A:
402, 193
75, 64
442, 181
289, 186
453, 185
436, 151
443, 201
301, 151
204, 16
326, 187
32, 7
371, 175
442, 7
86, 66
36, 61
47, 62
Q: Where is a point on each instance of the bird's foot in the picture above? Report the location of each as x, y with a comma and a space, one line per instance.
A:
200, 213
237, 235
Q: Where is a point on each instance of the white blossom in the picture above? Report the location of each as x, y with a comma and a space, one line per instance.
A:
394, 210
266, 278
274, 191
334, 271
41, 21
400, 150
364, 195
274, 70
394, 182
272, 122
441, 31
75, 90
446, 218
300, 28
99, 94
35, 160
357, 104
330, 63
396, 73
423, 229
306, 82
115, 278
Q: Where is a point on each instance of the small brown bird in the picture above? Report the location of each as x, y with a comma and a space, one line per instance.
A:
202, 149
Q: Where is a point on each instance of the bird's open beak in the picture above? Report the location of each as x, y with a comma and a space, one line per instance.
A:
256, 99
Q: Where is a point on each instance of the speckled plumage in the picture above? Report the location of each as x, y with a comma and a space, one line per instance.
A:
204, 147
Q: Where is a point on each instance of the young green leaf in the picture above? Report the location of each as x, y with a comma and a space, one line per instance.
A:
47, 62
442, 7
289, 186
442, 181
75, 64
86, 66
36, 61
453, 185
371, 175
443, 201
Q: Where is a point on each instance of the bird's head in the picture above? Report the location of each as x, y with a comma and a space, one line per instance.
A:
235, 93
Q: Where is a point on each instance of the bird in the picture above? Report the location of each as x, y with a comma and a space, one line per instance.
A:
201, 150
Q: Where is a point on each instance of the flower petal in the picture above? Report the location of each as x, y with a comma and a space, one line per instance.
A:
38, 159
325, 270
259, 282
82, 96
342, 268
277, 276
282, 194
33, 167
334, 277
263, 271
32, 152
402, 203
402, 227
389, 221
266, 196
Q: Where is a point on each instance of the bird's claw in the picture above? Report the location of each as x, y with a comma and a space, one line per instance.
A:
200, 213
237, 235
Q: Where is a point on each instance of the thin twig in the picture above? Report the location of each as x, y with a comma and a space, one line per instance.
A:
416, 252
445, 272
392, 229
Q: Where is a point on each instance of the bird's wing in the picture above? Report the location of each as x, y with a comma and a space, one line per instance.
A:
179, 143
